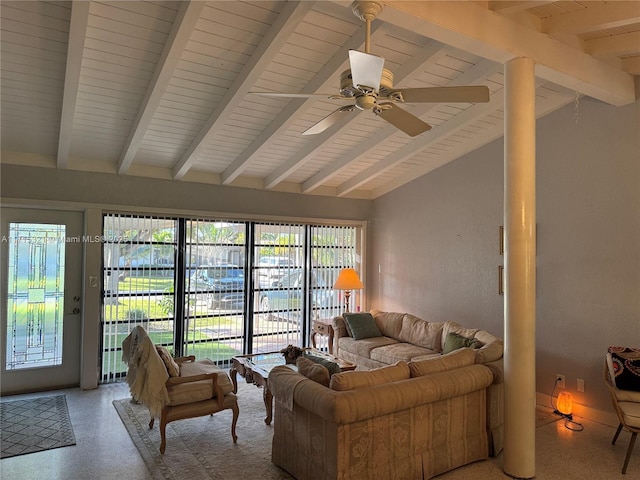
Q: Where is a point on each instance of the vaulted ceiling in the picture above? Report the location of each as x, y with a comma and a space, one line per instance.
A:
161, 89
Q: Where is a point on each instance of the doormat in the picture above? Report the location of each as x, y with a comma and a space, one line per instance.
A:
35, 424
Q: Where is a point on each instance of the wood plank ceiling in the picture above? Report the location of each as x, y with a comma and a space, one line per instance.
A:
161, 88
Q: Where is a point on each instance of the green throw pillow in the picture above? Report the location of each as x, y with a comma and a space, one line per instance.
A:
454, 341
361, 325
333, 367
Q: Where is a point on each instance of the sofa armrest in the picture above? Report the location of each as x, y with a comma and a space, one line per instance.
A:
339, 327
339, 331
497, 369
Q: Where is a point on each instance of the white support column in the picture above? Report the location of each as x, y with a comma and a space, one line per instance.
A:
520, 268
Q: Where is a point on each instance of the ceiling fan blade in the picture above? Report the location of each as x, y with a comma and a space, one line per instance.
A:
366, 69
399, 118
329, 120
469, 94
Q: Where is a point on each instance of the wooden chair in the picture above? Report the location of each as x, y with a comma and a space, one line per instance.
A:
175, 389
625, 402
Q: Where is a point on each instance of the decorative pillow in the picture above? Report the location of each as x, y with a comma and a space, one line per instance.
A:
333, 367
313, 371
172, 367
453, 327
361, 325
626, 368
352, 380
454, 341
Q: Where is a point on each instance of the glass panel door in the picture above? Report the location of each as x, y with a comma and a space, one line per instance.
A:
41, 252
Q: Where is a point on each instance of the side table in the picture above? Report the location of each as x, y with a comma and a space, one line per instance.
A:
323, 328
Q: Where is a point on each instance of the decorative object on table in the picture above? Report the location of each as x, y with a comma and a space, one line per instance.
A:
348, 280
291, 353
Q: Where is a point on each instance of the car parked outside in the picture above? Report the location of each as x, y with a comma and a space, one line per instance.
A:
284, 301
271, 269
222, 284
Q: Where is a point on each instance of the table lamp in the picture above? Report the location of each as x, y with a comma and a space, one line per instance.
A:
347, 280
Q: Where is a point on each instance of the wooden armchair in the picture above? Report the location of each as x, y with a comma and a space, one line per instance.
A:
626, 400
175, 389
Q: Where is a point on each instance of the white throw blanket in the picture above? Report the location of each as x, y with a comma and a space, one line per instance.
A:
147, 374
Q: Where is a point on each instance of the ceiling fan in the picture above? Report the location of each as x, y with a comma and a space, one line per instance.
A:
367, 82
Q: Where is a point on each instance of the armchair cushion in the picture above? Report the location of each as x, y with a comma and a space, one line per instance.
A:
172, 367
190, 392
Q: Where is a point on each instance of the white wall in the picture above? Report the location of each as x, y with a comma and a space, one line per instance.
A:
435, 243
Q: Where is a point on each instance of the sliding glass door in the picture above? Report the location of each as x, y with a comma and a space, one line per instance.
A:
218, 288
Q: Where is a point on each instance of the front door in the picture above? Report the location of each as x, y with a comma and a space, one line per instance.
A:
41, 277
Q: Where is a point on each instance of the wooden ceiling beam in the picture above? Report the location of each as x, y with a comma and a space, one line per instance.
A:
480, 31
75, 49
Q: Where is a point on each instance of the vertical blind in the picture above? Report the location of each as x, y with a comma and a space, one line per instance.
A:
219, 288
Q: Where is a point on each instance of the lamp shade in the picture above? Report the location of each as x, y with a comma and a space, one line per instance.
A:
348, 280
565, 403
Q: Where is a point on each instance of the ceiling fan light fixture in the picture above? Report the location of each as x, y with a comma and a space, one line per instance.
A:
366, 69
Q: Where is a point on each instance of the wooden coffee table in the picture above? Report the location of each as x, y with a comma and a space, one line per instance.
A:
255, 369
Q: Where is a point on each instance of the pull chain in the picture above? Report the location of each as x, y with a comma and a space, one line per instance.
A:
576, 111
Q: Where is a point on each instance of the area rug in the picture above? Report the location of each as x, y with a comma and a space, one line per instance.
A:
34, 425
202, 448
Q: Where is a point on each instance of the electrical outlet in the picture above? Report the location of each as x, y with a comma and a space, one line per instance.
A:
560, 381
580, 385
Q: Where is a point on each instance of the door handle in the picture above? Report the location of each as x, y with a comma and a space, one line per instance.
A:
76, 310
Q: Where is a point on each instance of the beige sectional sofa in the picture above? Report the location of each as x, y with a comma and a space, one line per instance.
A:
396, 422
405, 337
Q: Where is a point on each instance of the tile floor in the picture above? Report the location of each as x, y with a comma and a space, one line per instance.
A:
104, 450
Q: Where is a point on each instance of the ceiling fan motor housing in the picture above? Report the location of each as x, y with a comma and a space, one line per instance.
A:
347, 88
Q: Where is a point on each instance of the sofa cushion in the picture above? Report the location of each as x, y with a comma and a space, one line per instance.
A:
363, 347
172, 367
454, 341
420, 332
485, 337
368, 378
389, 323
397, 352
361, 325
313, 370
202, 390
440, 363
